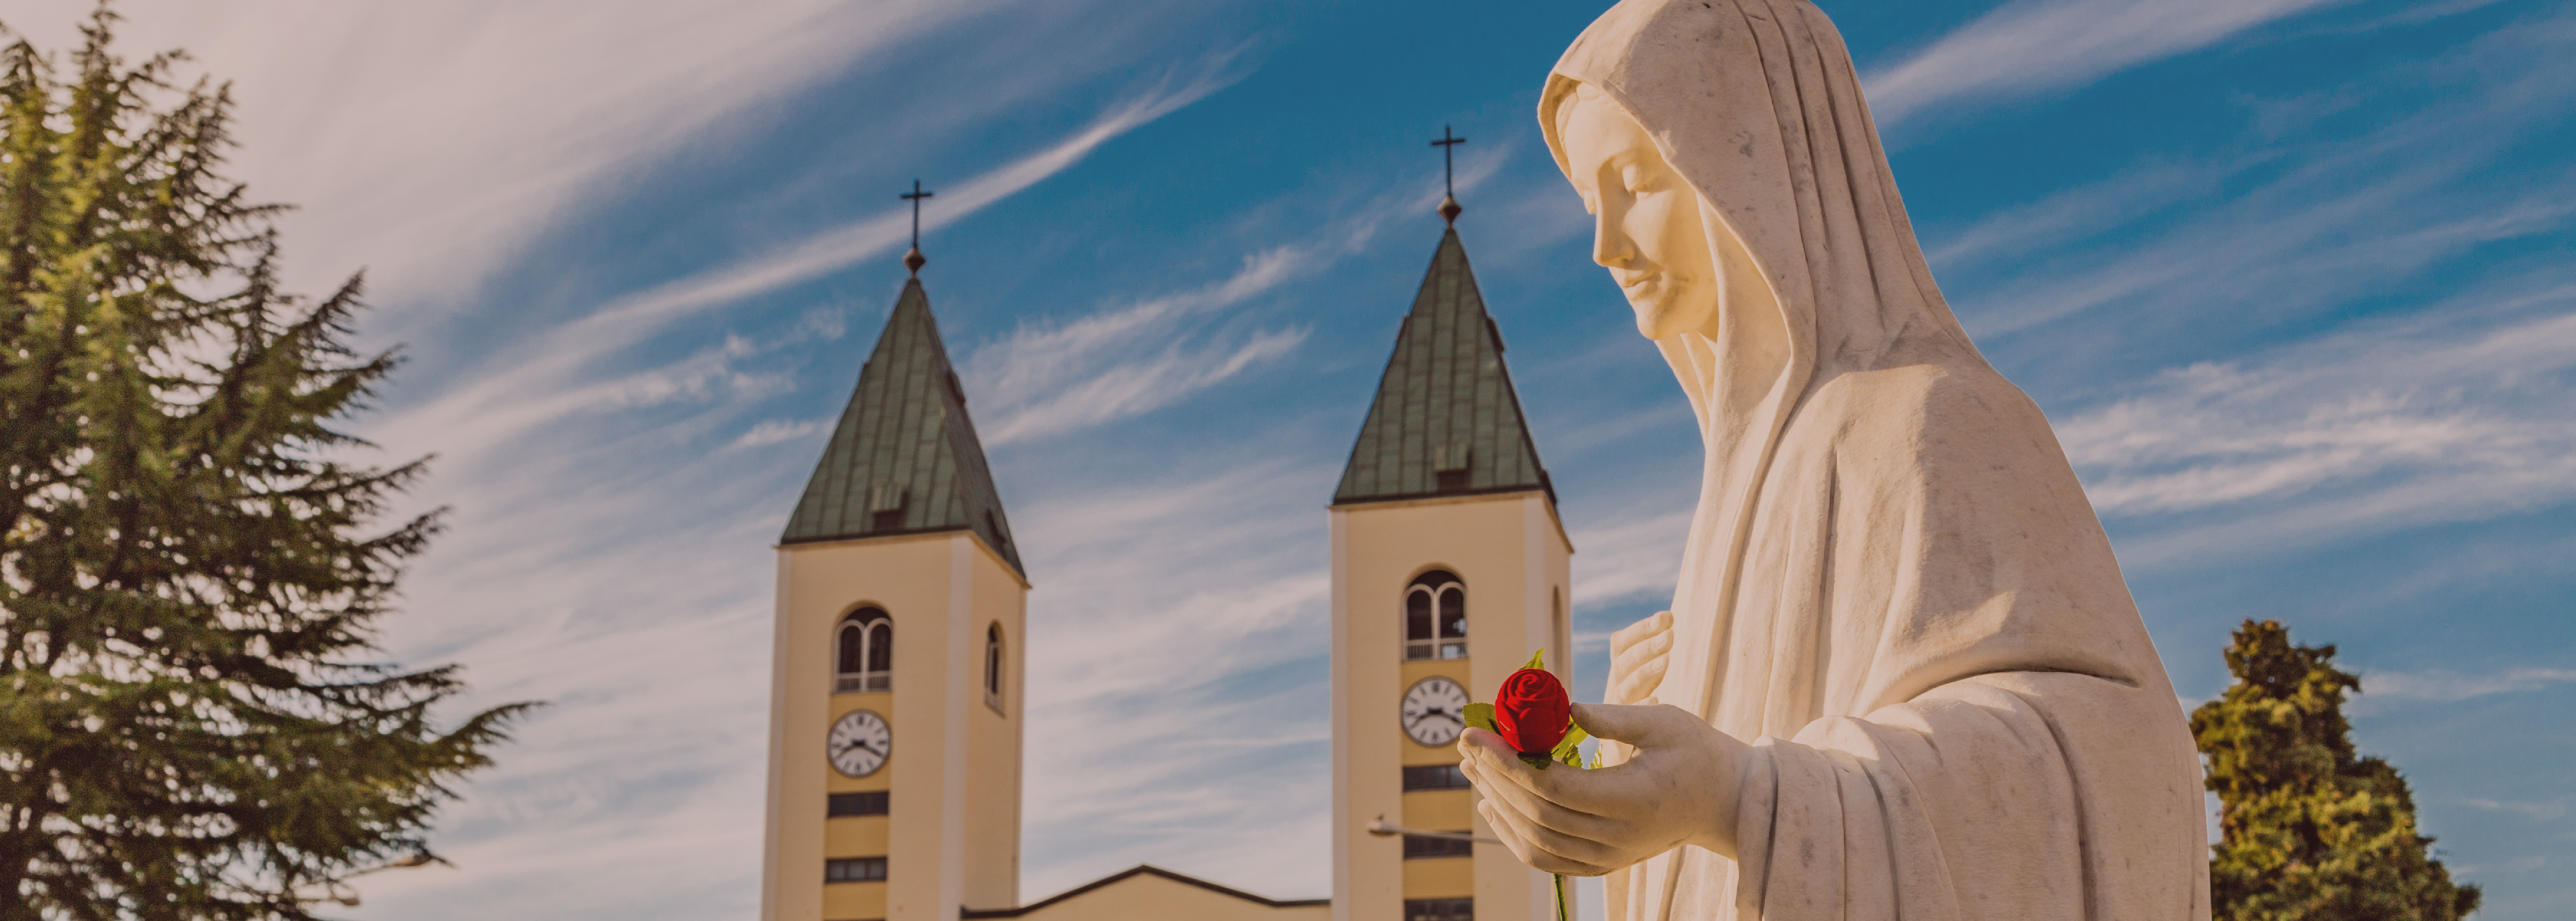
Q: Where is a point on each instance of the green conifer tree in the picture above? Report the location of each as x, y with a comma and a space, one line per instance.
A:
2310, 831
194, 721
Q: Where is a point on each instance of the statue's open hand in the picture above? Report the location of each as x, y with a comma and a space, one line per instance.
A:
1638, 653
1679, 788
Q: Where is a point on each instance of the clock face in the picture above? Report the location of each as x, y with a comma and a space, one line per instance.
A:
1435, 711
859, 743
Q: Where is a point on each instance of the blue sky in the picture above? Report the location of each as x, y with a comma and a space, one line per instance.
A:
2290, 277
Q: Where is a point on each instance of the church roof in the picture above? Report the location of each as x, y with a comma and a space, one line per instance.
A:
904, 458
1446, 420
1145, 871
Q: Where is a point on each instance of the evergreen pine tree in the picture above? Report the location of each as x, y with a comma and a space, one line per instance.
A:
2310, 831
194, 721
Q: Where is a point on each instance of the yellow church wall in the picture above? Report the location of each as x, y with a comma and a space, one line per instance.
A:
1440, 810
1441, 878
941, 590
855, 836
854, 900
1513, 555
992, 765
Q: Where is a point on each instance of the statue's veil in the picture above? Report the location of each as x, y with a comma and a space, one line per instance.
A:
1756, 105
1893, 586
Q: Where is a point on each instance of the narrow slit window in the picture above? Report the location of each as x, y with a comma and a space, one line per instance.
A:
993, 667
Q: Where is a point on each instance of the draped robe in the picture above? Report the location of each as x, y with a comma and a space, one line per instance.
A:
1893, 586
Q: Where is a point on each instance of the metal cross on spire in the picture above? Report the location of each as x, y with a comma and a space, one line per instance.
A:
1448, 144
913, 261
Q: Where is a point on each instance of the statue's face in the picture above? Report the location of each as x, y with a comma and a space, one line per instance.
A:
1646, 221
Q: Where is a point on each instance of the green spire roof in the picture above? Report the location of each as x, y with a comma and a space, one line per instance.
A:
905, 459
1446, 421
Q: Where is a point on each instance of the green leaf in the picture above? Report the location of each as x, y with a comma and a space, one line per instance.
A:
1481, 716
1535, 760
1566, 750
1538, 660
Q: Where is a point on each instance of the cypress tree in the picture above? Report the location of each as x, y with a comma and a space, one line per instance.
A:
194, 719
2310, 830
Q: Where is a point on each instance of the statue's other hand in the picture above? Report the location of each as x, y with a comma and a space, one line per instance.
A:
1638, 653
1679, 788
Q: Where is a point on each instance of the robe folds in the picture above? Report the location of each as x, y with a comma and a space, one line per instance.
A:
1893, 586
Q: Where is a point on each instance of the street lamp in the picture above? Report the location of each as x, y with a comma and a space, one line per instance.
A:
1380, 828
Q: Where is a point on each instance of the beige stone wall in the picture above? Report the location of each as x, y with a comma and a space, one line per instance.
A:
992, 767
952, 834
1512, 553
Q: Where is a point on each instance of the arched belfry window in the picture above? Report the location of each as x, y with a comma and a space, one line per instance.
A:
1435, 616
993, 667
865, 659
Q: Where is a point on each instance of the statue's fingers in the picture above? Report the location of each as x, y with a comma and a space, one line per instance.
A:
1517, 837
1474, 740
1531, 803
1639, 680
1628, 636
1648, 647
1634, 725
1537, 821
1513, 841
1586, 804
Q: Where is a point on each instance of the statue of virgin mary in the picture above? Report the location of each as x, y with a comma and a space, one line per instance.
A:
1901, 676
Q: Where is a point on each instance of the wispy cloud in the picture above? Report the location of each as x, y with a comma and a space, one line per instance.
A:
2038, 46
2445, 687
2547, 811
2442, 419
540, 383
608, 556
2322, 220
773, 431
1213, 572
1046, 379
1631, 559
1049, 378
2072, 215
433, 141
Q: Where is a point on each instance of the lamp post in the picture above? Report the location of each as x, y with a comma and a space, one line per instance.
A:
1379, 827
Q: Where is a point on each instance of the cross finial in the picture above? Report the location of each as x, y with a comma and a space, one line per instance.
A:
1448, 144
913, 260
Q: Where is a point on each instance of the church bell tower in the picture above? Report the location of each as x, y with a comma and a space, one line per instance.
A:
895, 699
1449, 568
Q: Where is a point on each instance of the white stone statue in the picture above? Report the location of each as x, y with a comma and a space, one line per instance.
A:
1902, 677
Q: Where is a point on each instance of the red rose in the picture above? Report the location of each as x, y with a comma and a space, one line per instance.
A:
1532, 712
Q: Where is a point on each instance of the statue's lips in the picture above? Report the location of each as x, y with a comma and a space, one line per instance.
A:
1640, 285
